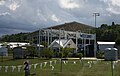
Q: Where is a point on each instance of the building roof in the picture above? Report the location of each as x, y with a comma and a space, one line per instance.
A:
72, 26
61, 43
106, 42
15, 44
40, 45
111, 49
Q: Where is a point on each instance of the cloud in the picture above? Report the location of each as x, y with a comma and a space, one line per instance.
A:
13, 6
114, 10
4, 31
104, 1
4, 14
116, 2
2, 2
29, 15
54, 18
113, 6
69, 4
41, 16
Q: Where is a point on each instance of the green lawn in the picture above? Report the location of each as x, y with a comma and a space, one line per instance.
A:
72, 68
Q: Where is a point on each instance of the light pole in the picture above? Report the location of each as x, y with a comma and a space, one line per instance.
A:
51, 36
76, 41
77, 37
39, 41
59, 38
60, 51
48, 37
95, 15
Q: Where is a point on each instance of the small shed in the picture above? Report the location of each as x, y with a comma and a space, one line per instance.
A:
103, 45
18, 52
111, 54
3, 51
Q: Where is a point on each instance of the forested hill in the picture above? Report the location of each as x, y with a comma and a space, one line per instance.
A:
20, 37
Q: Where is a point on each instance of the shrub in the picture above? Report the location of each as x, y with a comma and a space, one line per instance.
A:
79, 55
47, 53
100, 54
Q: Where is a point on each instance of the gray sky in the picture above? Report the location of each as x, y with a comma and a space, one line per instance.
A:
30, 15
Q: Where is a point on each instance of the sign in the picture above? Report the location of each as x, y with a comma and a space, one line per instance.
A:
87, 36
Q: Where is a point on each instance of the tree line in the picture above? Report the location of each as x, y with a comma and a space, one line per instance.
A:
108, 33
19, 37
103, 33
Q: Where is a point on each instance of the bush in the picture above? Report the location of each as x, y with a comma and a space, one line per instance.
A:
100, 54
47, 53
117, 41
66, 52
79, 55
60, 55
56, 54
30, 51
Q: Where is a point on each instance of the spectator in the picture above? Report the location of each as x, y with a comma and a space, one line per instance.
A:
26, 68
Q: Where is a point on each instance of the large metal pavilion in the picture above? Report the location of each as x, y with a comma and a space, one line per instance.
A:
48, 35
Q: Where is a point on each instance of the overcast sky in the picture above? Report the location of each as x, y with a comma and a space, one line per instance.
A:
30, 15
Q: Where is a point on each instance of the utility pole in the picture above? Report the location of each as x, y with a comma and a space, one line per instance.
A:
51, 36
95, 47
39, 42
48, 37
59, 39
76, 40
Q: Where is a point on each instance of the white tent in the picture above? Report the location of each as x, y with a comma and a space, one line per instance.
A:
111, 54
18, 52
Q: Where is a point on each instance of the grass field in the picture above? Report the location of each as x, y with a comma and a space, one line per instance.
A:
71, 68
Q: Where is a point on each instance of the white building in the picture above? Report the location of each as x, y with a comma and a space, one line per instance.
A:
103, 45
64, 43
16, 44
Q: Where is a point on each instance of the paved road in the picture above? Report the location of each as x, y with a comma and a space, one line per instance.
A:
86, 58
90, 58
